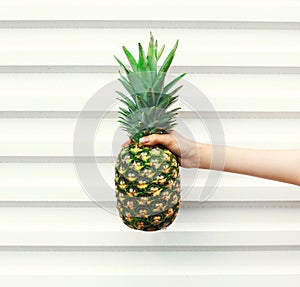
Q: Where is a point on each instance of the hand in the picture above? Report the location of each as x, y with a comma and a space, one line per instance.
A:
186, 150
280, 165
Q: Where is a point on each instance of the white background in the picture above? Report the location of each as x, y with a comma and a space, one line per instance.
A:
243, 55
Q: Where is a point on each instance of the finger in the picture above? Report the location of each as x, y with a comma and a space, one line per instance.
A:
164, 139
127, 143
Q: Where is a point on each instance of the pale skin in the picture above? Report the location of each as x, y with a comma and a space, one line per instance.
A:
279, 165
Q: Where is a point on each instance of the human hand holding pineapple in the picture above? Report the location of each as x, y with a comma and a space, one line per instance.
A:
186, 150
280, 165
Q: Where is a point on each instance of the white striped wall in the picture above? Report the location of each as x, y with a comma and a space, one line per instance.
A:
54, 55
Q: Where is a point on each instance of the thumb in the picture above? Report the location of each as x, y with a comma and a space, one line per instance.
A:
164, 139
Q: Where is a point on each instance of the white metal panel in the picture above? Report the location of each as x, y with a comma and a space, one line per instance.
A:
215, 10
202, 47
227, 92
211, 280
54, 137
145, 263
193, 227
58, 182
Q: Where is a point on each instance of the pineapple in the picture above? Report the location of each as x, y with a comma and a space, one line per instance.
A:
147, 181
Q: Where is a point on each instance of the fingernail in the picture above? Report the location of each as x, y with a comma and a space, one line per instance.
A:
144, 140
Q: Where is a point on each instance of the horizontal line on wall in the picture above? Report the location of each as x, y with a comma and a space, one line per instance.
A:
142, 24
239, 204
185, 204
175, 69
183, 114
54, 159
61, 248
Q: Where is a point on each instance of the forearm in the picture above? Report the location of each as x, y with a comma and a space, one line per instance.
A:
280, 165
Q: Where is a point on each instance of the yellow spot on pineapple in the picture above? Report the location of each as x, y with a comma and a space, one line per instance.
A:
157, 220
155, 163
174, 173
130, 205
140, 225
166, 195
155, 191
166, 157
136, 166
158, 207
121, 169
145, 156
127, 159
170, 212
174, 199
161, 179
122, 184
142, 184
166, 169
170, 184
135, 149
121, 196
131, 177
144, 201
143, 212
174, 162
128, 216
148, 173
132, 192
155, 151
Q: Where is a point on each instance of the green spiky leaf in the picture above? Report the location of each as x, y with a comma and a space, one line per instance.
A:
172, 83
160, 52
152, 62
131, 59
142, 63
122, 65
148, 100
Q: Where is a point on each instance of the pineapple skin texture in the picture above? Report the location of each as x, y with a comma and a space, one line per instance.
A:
147, 186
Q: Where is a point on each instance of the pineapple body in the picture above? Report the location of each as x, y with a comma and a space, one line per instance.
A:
147, 185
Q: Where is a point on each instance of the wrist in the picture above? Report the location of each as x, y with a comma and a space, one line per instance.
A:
205, 155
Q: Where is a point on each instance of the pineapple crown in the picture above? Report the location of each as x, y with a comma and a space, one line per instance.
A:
148, 100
